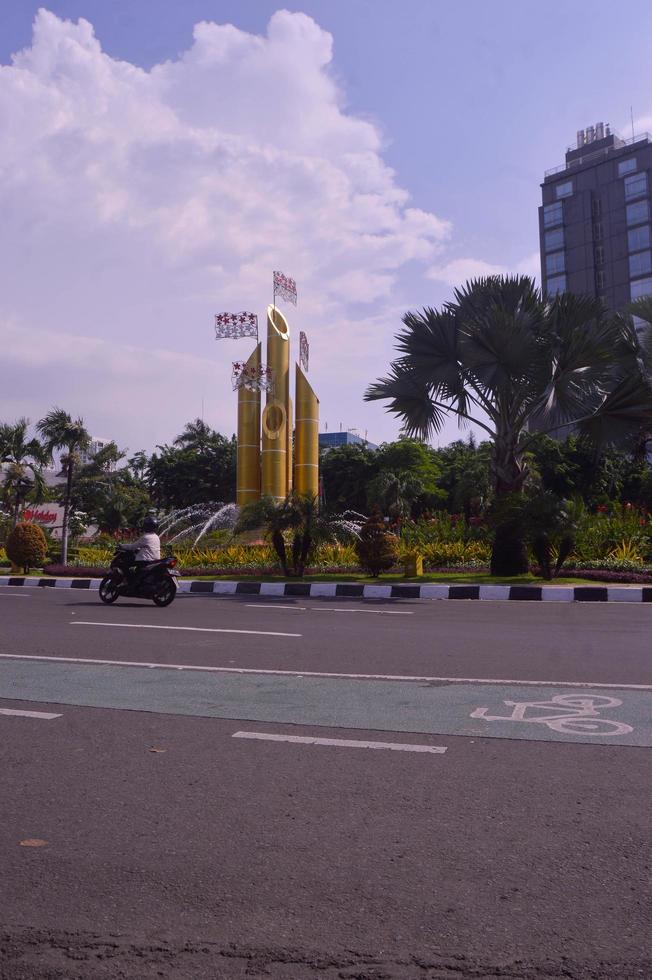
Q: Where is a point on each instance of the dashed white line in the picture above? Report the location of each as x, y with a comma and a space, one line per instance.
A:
344, 743
423, 678
43, 715
273, 605
376, 612
186, 629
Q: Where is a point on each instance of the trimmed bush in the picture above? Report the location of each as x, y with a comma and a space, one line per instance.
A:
377, 548
26, 546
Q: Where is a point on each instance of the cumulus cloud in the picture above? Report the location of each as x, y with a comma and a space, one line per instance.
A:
137, 203
459, 271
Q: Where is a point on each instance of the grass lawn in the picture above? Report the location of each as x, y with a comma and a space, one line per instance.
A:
428, 578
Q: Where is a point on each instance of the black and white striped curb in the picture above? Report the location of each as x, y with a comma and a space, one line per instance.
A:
308, 590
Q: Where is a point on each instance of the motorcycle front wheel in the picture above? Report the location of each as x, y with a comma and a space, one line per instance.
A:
108, 590
164, 593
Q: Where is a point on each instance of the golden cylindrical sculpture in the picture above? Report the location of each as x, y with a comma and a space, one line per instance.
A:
290, 450
248, 468
306, 448
276, 420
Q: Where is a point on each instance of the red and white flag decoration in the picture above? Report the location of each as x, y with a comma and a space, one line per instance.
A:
234, 325
303, 350
285, 287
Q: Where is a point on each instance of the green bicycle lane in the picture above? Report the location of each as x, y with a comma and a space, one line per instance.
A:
546, 712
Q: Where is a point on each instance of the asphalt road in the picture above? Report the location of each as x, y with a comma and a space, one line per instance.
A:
514, 842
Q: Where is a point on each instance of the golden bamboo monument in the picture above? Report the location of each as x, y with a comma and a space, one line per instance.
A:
286, 457
277, 420
248, 460
306, 456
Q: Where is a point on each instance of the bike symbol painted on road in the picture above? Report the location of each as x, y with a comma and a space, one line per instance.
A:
572, 714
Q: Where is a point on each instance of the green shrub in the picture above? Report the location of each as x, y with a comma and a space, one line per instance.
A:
377, 548
444, 554
26, 546
3, 557
335, 556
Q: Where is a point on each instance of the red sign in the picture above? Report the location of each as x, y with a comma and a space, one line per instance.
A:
40, 516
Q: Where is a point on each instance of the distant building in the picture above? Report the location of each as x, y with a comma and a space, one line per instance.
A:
594, 219
96, 444
329, 440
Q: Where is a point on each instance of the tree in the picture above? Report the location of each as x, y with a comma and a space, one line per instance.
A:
61, 431
377, 548
297, 517
346, 472
513, 361
26, 546
24, 459
465, 475
409, 474
394, 494
200, 467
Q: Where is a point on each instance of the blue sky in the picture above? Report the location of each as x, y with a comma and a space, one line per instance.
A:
466, 103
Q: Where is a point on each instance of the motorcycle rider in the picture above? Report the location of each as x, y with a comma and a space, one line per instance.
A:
147, 548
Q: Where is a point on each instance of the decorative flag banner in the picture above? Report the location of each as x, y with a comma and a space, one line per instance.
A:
304, 350
285, 287
234, 325
254, 377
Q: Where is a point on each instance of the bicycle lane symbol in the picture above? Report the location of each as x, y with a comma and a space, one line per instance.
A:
571, 714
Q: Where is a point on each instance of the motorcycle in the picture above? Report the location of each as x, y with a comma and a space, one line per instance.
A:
156, 581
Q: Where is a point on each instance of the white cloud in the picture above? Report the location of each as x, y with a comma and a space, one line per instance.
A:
458, 271
138, 203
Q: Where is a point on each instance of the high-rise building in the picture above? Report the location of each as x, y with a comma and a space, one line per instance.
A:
594, 219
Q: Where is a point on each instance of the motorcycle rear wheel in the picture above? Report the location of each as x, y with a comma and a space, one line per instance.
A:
165, 593
108, 590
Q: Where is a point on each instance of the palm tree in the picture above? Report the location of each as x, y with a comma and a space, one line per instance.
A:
394, 493
25, 459
197, 436
60, 431
297, 516
515, 363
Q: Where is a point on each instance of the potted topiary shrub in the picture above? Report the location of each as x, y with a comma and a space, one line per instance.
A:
377, 548
26, 547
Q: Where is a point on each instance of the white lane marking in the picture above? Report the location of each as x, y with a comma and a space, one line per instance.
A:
13, 595
186, 629
320, 673
377, 612
345, 743
45, 715
272, 605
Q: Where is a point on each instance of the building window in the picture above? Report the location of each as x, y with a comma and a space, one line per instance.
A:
564, 190
599, 254
557, 285
555, 263
599, 278
597, 231
596, 204
638, 238
553, 214
626, 166
638, 213
554, 239
642, 287
640, 263
635, 186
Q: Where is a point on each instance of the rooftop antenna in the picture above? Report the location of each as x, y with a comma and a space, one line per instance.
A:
631, 114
